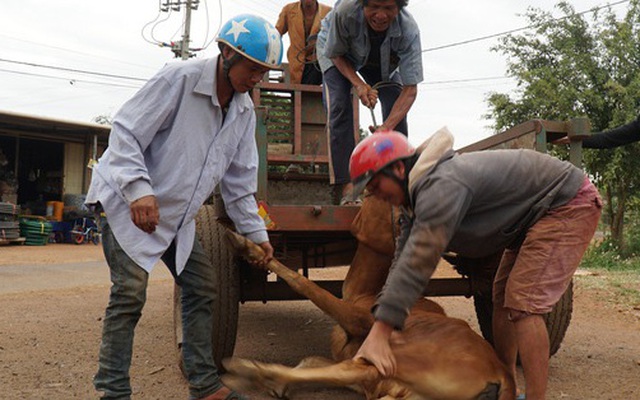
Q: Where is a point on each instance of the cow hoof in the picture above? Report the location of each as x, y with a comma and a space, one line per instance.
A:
264, 375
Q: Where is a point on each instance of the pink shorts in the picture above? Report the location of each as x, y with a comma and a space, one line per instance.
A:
532, 278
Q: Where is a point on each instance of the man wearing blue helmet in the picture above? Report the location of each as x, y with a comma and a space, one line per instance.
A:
190, 128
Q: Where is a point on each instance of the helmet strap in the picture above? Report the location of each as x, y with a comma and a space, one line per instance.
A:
227, 63
408, 162
388, 171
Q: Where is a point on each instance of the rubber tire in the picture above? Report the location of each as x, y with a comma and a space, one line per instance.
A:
77, 238
227, 282
557, 320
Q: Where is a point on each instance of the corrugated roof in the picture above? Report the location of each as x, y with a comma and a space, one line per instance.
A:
46, 128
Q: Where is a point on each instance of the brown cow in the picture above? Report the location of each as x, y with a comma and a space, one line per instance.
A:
437, 357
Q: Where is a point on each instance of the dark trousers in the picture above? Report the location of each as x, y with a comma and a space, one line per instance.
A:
337, 100
126, 300
311, 75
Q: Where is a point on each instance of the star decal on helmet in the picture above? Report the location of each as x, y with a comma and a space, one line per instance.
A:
237, 28
383, 146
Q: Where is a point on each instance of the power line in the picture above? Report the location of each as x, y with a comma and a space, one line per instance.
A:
73, 70
488, 78
73, 51
478, 39
71, 81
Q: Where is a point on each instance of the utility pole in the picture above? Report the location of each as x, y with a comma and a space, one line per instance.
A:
181, 48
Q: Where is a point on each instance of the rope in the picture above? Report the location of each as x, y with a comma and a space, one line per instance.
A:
378, 85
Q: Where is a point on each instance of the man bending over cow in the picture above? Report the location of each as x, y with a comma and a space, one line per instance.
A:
540, 210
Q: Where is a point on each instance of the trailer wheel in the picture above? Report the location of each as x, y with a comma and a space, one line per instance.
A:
227, 283
557, 320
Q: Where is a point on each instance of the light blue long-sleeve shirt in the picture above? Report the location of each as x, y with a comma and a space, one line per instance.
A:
344, 32
171, 141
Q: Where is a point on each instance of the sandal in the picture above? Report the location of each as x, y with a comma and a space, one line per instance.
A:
347, 196
348, 201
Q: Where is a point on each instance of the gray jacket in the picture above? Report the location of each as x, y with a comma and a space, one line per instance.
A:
474, 204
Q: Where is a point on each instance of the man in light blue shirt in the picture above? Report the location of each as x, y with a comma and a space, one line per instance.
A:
380, 41
190, 128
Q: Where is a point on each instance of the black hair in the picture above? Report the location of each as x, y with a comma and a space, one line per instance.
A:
399, 3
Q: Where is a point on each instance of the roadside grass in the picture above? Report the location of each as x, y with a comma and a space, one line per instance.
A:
617, 278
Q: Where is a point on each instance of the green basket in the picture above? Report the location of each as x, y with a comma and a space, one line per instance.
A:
36, 231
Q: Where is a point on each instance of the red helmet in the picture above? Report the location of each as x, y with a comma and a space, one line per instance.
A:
374, 153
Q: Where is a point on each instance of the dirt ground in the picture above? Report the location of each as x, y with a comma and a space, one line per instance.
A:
52, 301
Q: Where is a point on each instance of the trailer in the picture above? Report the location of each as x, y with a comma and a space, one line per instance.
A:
307, 231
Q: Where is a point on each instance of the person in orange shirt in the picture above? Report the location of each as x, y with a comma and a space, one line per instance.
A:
302, 20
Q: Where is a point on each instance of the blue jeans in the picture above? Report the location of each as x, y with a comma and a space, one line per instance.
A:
337, 100
126, 300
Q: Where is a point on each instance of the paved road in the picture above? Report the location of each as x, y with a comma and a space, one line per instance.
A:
24, 278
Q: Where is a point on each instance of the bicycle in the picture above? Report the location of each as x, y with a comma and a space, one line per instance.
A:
85, 230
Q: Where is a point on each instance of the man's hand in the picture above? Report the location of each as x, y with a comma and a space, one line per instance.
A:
367, 95
145, 213
268, 254
379, 128
562, 140
376, 349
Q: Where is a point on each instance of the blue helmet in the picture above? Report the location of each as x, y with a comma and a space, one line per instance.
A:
253, 37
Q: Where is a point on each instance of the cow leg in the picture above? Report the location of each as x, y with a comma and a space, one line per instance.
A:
357, 321
276, 378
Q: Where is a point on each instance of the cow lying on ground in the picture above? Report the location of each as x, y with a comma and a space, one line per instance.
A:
437, 357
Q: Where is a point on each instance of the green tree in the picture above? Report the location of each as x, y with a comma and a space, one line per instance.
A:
580, 64
103, 119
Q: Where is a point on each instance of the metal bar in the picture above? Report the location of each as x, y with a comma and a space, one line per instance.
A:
283, 87
280, 290
508, 135
297, 128
579, 128
356, 117
541, 140
261, 141
299, 158
312, 218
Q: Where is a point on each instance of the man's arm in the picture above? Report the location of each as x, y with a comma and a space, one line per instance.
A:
438, 212
620, 136
400, 108
134, 127
366, 94
281, 25
239, 185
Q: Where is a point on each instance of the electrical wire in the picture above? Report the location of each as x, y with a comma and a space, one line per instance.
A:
158, 23
206, 13
145, 27
489, 78
478, 39
74, 51
73, 70
71, 81
219, 25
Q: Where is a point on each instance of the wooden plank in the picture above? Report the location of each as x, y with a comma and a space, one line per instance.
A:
288, 87
312, 218
17, 241
297, 127
297, 158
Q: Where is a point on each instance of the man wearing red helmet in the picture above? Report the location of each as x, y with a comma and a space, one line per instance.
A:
541, 211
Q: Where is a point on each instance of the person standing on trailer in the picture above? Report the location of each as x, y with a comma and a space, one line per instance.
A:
374, 47
301, 20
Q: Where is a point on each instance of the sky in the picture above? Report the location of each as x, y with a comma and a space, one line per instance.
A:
116, 40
